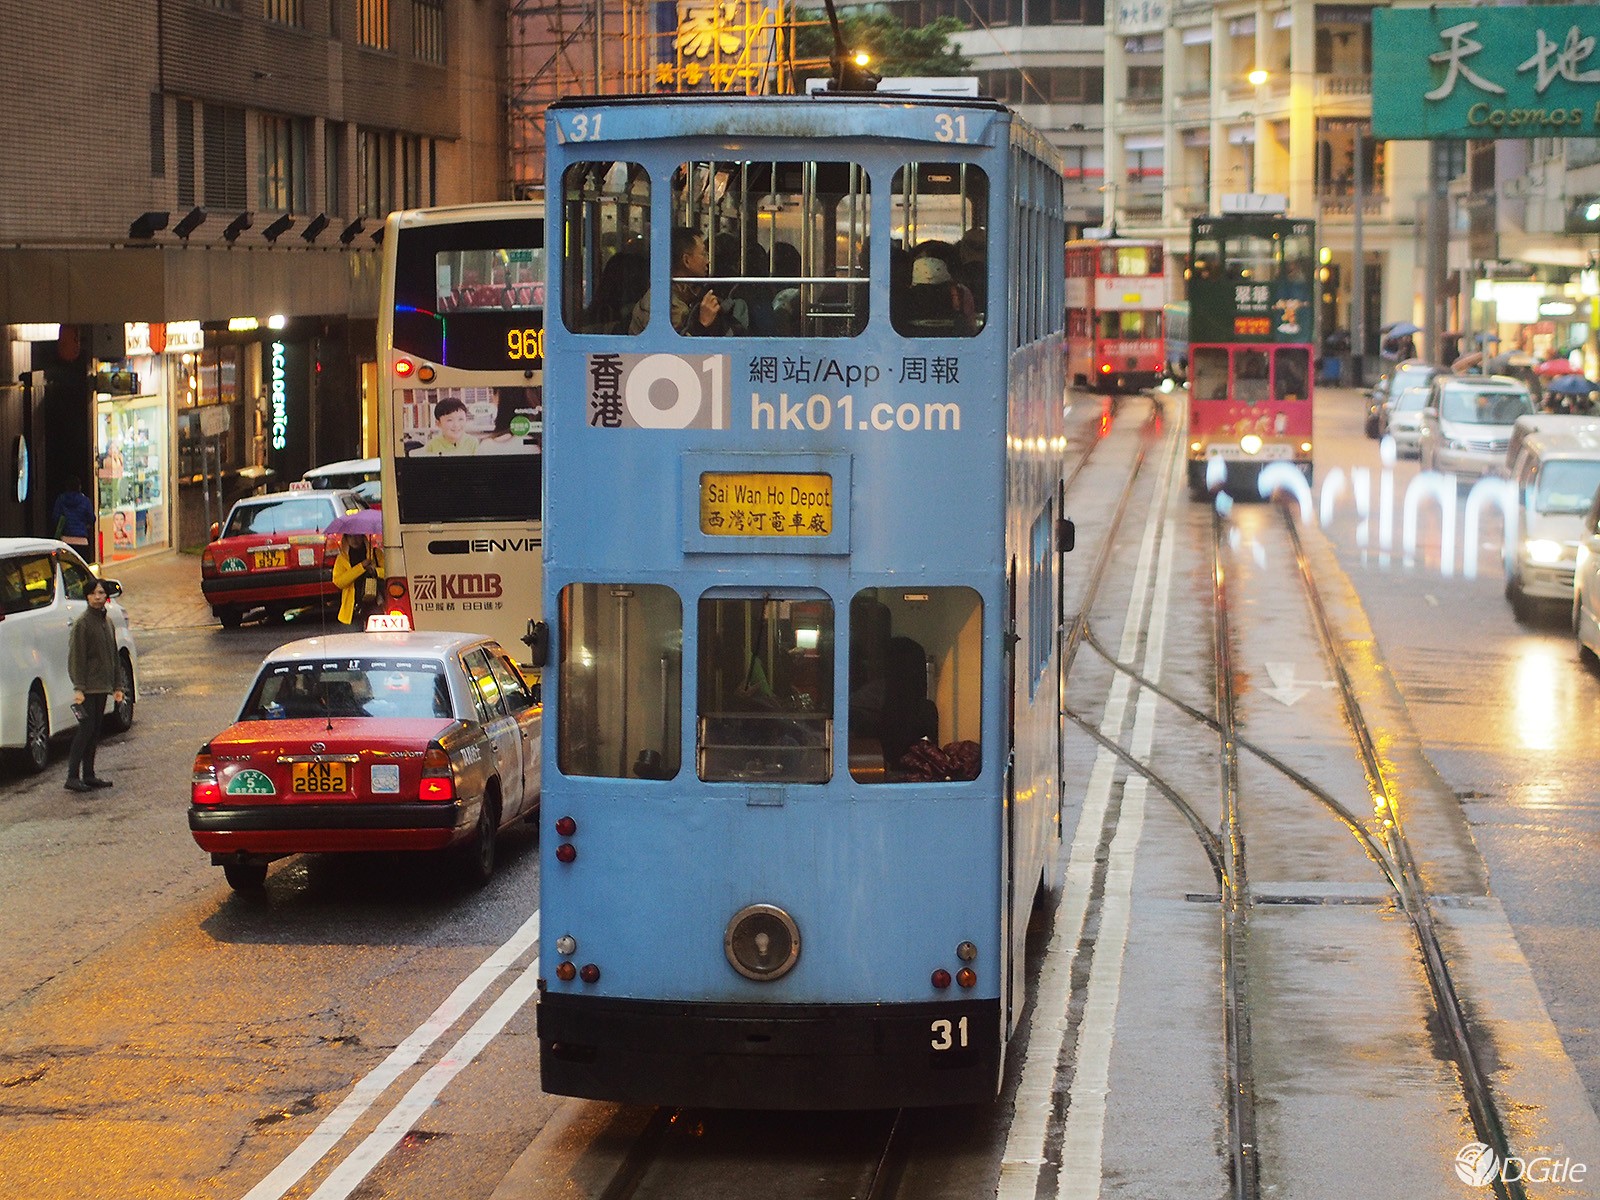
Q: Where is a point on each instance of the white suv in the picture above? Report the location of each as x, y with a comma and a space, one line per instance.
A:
42, 586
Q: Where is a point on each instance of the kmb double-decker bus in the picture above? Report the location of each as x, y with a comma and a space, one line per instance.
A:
802, 703
461, 416
1251, 281
1116, 288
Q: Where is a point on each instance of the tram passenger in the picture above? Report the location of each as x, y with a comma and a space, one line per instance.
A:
697, 310
786, 296
908, 715
623, 281
935, 304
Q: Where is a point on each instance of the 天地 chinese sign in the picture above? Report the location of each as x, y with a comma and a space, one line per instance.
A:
1486, 72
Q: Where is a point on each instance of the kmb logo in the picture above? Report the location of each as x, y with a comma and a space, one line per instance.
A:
457, 587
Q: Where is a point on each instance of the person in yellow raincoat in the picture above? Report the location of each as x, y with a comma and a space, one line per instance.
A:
360, 559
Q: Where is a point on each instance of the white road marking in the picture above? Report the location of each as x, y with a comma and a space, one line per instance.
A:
404, 1056
348, 1175
1035, 1099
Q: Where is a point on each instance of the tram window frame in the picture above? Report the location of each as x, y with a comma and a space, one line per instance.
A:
787, 245
923, 264
605, 235
620, 679
1291, 373
764, 688
944, 627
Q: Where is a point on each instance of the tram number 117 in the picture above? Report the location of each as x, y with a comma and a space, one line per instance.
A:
950, 1035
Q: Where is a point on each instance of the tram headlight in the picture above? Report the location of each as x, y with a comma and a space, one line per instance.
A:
762, 942
1250, 443
1544, 551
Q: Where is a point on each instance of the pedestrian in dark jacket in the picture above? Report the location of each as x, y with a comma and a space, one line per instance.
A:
92, 666
73, 514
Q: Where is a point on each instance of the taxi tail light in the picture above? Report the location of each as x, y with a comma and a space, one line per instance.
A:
438, 782
204, 788
208, 563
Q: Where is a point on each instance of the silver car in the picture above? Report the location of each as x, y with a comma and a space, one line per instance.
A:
1466, 424
42, 587
1401, 419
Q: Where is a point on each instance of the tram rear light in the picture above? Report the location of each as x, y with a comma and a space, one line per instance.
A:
438, 782
566, 945
589, 973
566, 852
204, 788
967, 952
425, 373
967, 977
566, 826
941, 979
403, 367
566, 972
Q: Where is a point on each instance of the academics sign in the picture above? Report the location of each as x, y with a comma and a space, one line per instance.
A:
1520, 72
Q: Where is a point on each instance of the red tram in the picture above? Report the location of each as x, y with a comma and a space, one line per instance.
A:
1116, 289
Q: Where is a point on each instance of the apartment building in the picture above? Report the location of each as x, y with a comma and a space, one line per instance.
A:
189, 213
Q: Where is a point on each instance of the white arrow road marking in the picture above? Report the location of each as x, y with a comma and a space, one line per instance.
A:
1285, 688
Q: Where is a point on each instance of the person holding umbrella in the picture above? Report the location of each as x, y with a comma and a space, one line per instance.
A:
358, 569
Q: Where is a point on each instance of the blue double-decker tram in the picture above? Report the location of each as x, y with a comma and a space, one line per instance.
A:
804, 450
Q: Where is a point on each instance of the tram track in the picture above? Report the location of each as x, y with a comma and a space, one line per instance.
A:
1225, 847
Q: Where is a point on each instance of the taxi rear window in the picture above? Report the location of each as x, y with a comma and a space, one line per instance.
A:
349, 688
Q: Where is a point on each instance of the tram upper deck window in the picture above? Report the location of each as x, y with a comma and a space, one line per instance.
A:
916, 676
765, 689
782, 249
621, 654
1206, 261
605, 268
938, 260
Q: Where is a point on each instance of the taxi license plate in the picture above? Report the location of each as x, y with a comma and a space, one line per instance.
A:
321, 778
271, 558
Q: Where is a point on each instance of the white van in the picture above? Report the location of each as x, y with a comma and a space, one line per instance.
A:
42, 588
1466, 425
1556, 473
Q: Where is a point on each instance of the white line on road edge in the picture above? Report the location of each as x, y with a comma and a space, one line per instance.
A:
1083, 1146
1035, 1098
347, 1176
404, 1056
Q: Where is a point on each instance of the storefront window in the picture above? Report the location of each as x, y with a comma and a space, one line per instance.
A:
131, 474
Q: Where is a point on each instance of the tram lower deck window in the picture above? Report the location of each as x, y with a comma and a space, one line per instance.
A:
765, 689
621, 681
916, 679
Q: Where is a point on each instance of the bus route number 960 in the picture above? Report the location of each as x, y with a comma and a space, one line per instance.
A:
525, 345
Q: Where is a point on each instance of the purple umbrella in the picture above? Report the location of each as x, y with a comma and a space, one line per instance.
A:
1571, 385
364, 520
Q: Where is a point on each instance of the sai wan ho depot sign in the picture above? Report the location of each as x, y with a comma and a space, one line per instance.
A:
1523, 72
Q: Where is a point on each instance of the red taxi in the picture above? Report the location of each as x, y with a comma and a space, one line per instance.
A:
273, 552
371, 741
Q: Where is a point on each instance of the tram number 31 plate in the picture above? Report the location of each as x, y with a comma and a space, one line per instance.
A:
949, 1035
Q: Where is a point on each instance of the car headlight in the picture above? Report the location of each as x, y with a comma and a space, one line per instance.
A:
1544, 551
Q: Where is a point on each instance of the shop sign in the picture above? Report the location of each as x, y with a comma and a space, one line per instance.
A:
1515, 72
185, 337
278, 374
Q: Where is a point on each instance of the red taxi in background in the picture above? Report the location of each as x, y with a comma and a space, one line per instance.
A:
273, 552
371, 741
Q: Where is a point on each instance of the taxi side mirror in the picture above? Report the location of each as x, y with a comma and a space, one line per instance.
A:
112, 587
538, 639
216, 528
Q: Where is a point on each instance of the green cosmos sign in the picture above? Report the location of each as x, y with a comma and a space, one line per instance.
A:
1518, 72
